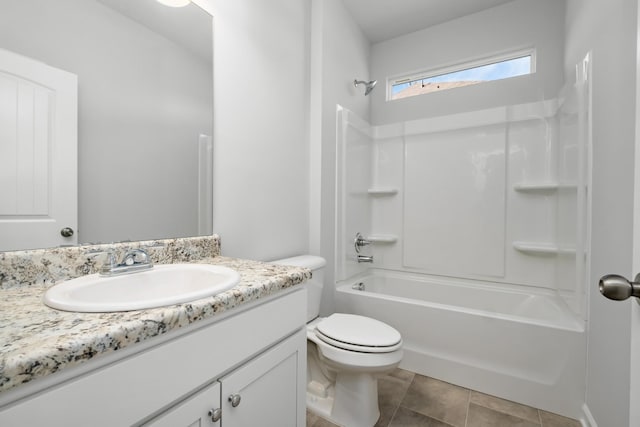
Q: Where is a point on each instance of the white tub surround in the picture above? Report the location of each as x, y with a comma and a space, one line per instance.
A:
39, 341
495, 195
486, 212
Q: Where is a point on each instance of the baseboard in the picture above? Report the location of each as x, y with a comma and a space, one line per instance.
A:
587, 419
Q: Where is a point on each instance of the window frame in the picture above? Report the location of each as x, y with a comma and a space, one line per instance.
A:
460, 66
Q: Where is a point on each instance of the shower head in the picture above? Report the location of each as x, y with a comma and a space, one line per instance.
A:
368, 85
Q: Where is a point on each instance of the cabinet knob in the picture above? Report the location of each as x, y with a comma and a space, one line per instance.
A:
215, 414
235, 400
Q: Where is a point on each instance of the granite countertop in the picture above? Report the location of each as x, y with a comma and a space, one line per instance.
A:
36, 340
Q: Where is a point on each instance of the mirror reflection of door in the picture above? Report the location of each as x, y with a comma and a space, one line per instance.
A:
38, 154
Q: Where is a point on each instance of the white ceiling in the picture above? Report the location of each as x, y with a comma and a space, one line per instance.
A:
188, 26
385, 19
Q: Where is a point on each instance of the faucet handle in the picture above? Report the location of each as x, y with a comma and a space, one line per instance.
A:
110, 262
359, 242
136, 256
92, 253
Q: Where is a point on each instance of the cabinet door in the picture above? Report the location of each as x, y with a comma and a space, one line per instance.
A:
268, 390
192, 412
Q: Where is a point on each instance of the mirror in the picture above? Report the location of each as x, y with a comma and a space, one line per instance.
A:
145, 109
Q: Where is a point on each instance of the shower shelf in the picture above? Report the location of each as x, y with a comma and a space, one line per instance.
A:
382, 238
382, 191
536, 248
526, 187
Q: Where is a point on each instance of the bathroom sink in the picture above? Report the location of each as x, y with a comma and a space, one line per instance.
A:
160, 286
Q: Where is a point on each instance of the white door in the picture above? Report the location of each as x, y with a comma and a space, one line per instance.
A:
634, 330
38, 154
634, 392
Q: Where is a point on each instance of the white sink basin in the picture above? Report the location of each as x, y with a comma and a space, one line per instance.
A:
162, 285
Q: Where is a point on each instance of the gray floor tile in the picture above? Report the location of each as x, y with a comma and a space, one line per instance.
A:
412, 400
321, 422
479, 416
553, 420
407, 418
314, 420
391, 390
311, 418
437, 399
505, 406
402, 374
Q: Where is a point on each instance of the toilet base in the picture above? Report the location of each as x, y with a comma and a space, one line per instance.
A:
320, 405
351, 390
342, 385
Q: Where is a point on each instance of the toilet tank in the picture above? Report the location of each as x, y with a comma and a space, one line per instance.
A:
314, 285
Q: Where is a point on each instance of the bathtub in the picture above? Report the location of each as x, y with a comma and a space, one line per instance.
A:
522, 346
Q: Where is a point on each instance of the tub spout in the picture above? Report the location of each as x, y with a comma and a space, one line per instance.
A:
365, 258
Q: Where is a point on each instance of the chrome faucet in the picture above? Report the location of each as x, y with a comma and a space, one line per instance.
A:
365, 258
360, 241
133, 261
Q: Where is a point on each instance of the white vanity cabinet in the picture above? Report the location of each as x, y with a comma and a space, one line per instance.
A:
262, 392
256, 354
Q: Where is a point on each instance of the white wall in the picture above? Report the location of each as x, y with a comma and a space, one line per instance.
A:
137, 145
609, 29
512, 26
340, 54
261, 177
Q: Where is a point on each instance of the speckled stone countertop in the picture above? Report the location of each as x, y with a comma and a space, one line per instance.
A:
36, 340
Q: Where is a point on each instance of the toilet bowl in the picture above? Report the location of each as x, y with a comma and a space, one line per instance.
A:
344, 358
345, 354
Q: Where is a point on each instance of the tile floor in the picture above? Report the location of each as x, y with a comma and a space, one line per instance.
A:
412, 400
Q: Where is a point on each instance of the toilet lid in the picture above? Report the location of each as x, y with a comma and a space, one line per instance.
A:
358, 333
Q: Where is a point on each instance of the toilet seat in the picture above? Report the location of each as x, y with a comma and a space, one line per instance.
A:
358, 333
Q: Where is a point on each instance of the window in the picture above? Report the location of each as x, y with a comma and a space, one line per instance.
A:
495, 68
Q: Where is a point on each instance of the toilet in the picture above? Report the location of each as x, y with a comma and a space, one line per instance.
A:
345, 354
